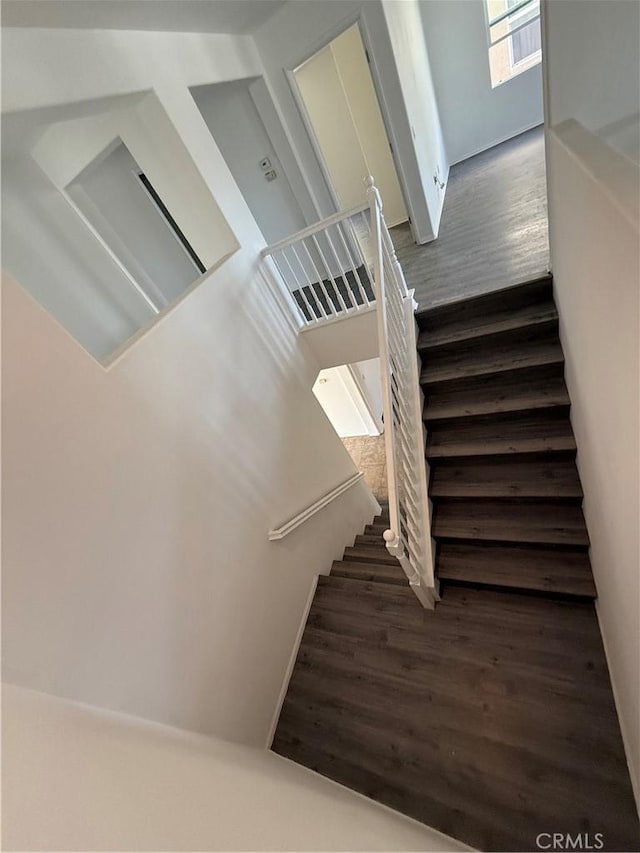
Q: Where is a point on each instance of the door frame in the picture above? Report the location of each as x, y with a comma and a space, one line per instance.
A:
326, 39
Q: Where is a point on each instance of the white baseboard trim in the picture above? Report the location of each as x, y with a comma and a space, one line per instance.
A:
497, 142
635, 782
292, 662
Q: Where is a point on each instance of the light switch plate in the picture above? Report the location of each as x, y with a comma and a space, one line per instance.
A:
270, 176
265, 164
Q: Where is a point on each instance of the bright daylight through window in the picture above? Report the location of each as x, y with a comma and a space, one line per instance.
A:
514, 37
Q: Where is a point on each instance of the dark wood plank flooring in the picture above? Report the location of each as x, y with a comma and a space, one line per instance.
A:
492, 720
493, 231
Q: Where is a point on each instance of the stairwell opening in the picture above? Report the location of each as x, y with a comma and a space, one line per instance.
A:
351, 397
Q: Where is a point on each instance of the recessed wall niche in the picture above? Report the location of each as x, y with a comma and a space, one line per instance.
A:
106, 219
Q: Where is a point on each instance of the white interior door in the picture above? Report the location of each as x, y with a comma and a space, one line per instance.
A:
342, 108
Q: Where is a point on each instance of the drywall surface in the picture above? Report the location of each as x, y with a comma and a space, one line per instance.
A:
367, 375
137, 573
595, 249
345, 341
414, 72
47, 247
592, 55
77, 778
40, 67
233, 119
112, 198
343, 403
290, 37
474, 116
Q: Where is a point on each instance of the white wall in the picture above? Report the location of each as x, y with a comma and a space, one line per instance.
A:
231, 116
474, 116
115, 202
594, 232
76, 778
345, 341
47, 246
418, 96
593, 56
137, 500
295, 33
368, 376
595, 251
344, 402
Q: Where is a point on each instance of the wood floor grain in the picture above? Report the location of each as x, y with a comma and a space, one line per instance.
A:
492, 721
493, 232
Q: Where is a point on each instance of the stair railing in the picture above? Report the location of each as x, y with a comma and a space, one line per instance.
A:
409, 535
325, 268
339, 267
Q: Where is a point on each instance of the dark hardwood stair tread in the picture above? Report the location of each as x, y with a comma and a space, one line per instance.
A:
467, 329
540, 433
498, 360
367, 554
521, 568
377, 528
497, 395
374, 572
370, 539
496, 521
511, 298
506, 478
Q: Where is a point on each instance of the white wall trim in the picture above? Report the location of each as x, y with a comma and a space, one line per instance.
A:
292, 662
304, 515
498, 141
340, 318
624, 733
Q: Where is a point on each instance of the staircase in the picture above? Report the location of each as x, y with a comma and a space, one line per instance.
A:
491, 718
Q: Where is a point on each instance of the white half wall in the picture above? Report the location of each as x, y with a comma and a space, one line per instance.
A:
595, 250
474, 116
592, 58
76, 778
344, 341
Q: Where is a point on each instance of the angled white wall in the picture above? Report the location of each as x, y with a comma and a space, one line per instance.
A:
137, 574
594, 232
474, 116
76, 778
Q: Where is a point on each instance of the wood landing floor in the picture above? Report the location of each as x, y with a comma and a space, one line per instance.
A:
493, 231
492, 720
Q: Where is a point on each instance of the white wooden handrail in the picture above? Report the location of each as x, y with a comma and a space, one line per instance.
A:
409, 535
313, 229
304, 515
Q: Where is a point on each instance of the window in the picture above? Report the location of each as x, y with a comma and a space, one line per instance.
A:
514, 37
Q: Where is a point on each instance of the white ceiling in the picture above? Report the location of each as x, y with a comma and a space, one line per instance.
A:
193, 16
